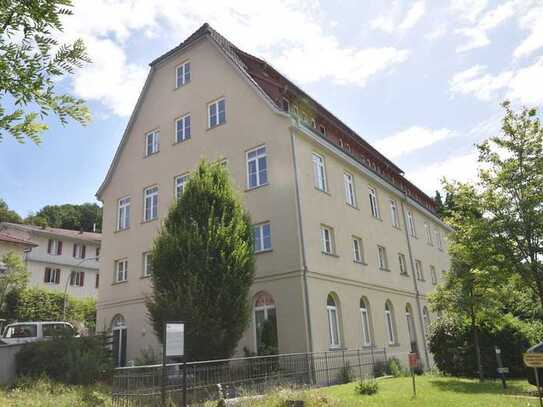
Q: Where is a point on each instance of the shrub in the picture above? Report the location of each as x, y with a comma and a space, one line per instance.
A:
345, 374
379, 368
394, 368
451, 344
66, 359
367, 387
149, 356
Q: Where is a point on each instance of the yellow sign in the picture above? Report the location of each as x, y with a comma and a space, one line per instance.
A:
533, 359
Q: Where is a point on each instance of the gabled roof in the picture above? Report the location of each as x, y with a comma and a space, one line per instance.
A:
4, 237
274, 87
66, 233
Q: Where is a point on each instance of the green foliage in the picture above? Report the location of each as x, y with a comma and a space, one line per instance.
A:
148, 356
67, 359
14, 278
38, 304
203, 266
32, 63
8, 215
345, 374
367, 387
450, 342
268, 344
379, 368
69, 216
394, 367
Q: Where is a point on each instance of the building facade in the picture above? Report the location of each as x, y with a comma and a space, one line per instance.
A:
61, 260
346, 248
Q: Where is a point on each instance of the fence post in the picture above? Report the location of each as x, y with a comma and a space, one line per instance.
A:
326, 367
308, 368
359, 363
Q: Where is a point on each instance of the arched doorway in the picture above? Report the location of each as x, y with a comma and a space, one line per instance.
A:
265, 324
118, 329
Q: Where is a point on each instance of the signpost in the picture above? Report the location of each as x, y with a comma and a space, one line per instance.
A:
501, 370
535, 360
413, 363
173, 345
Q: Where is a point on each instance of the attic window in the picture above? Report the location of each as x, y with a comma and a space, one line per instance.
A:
322, 129
347, 147
313, 123
340, 142
285, 105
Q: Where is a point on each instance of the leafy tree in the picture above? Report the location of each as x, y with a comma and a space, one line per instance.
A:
8, 215
203, 266
13, 276
440, 207
69, 216
32, 62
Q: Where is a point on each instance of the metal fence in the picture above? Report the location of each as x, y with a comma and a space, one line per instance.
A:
228, 378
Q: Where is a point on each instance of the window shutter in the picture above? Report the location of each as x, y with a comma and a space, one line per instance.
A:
83, 250
57, 276
59, 249
49, 244
74, 251
82, 279
47, 271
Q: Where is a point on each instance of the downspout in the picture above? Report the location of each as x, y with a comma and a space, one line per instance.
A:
413, 275
309, 333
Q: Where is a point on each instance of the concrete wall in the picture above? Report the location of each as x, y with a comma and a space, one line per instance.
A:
7, 363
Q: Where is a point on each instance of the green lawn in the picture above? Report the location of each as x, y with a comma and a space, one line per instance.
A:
437, 391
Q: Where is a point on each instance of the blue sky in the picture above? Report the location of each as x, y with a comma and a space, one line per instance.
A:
421, 80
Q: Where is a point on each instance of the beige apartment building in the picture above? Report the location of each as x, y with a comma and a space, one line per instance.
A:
346, 248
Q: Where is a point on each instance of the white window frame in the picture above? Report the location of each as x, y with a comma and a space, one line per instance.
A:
259, 229
433, 274
428, 232
394, 216
147, 266
180, 182
123, 213
322, 129
186, 130
121, 275
75, 278
389, 323
78, 251
319, 172
382, 257
419, 270
366, 324
154, 144
334, 338
374, 202
426, 319
216, 114
327, 240
52, 275
411, 223
350, 191
185, 74
403, 264
358, 254
150, 197
261, 174
439, 240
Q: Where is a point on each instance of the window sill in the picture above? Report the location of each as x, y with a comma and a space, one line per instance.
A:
145, 277
330, 254
396, 227
148, 221
324, 191
119, 282
217, 125
394, 345
360, 262
352, 206
384, 269
121, 230
404, 274
176, 142
249, 189
151, 155
182, 85
335, 348
377, 218
264, 251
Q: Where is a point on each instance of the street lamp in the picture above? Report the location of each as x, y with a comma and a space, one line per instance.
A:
68, 281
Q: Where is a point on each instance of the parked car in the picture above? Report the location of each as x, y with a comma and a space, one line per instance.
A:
22, 332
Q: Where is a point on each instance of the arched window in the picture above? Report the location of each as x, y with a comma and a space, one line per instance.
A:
389, 322
411, 328
119, 332
365, 320
265, 324
333, 321
426, 318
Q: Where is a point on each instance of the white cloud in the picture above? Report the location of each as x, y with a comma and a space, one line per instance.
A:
478, 34
296, 45
459, 168
436, 34
411, 139
523, 84
532, 21
468, 9
393, 21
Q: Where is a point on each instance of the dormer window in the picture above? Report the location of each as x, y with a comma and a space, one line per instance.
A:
285, 104
322, 129
340, 143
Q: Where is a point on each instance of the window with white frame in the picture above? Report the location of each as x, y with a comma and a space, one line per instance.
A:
147, 264
150, 203
257, 167
419, 271
358, 256
411, 224
51, 275
322, 129
180, 182
262, 237
182, 128
216, 113
121, 270
389, 322
382, 258
365, 319
123, 213
151, 142
395, 219
79, 251
433, 275
333, 322
77, 278
265, 322
426, 319
319, 172
350, 196
182, 74
403, 264
327, 239
428, 233
54, 247
374, 206
439, 241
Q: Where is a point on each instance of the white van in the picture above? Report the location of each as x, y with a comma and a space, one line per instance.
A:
21, 332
